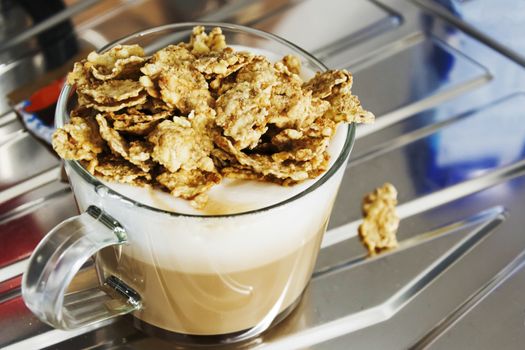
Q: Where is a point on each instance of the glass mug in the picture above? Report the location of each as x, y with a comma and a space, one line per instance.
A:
218, 278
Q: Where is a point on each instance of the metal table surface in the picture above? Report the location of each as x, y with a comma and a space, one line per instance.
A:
449, 94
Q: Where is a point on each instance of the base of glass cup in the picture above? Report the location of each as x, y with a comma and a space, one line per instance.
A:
211, 340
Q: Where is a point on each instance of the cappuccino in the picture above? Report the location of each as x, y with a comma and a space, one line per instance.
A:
221, 166
215, 302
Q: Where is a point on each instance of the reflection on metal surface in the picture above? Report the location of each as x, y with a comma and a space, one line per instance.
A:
445, 164
24, 220
489, 110
426, 74
49, 337
499, 24
44, 178
456, 285
449, 135
322, 37
512, 268
500, 300
21, 158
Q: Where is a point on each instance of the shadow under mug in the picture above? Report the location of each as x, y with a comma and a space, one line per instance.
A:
223, 278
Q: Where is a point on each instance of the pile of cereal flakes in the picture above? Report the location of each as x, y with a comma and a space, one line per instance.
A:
193, 113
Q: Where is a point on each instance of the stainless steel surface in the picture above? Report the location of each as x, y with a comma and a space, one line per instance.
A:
449, 92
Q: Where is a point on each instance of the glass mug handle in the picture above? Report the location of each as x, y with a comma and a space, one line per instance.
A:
59, 257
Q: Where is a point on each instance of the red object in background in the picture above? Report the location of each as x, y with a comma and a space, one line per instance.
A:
10, 284
46, 96
20, 236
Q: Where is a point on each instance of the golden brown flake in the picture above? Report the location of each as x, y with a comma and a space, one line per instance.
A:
119, 61
171, 76
177, 145
80, 77
88, 102
335, 86
117, 169
265, 164
220, 64
119, 146
380, 223
185, 89
219, 86
241, 113
114, 91
238, 172
346, 108
189, 184
137, 122
322, 84
293, 63
259, 73
202, 43
78, 140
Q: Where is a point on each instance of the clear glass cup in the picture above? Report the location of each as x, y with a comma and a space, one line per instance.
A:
195, 278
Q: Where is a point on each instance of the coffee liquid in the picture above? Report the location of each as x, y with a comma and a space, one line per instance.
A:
219, 302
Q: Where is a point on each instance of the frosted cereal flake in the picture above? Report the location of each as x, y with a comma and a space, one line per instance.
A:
242, 114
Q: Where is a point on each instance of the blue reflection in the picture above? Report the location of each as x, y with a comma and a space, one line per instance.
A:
483, 140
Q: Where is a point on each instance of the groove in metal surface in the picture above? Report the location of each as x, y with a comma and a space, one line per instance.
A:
54, 336
386, 51
8, 117
235, 7
41, 179
417, 240
434, 199
507, 272
11, 294
417, 134
13, 270
13, 137
101, 18
443, 14
30, 206
419, 106
391, 21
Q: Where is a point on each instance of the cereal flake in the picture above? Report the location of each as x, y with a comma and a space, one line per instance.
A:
379, 227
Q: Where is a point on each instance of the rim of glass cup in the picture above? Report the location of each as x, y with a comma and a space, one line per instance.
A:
61, 116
